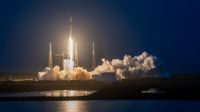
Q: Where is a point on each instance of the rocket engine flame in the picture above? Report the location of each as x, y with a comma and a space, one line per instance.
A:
71, 48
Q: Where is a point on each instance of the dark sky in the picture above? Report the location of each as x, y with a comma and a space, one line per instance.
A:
168, 29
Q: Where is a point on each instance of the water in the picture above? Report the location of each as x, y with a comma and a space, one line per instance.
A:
101, 106
54, 93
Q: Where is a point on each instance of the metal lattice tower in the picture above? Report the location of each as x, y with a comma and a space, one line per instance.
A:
50, 57
76, 55
93, 56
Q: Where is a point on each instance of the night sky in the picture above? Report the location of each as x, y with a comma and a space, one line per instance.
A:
168, 29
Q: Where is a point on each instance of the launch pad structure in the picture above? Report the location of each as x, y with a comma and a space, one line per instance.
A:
71, 60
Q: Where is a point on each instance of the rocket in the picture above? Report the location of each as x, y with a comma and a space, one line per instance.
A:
50, 57
70, 42
70, 33
69, 62
75, 45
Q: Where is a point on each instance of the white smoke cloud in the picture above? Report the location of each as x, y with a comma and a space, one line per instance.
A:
77, 73
49, 74
80, 73
144, 65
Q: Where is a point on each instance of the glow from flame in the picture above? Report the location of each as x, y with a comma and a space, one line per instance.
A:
71, 48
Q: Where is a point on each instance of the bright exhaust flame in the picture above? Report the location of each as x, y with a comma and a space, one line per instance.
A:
71, 48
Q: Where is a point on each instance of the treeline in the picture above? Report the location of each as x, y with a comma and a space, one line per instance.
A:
24, 86
5, 76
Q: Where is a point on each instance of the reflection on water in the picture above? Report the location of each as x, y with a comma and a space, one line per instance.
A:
101, 106
54, 93
71, 106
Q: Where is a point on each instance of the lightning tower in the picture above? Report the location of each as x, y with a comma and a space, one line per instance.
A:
76, 55
50, 57
93, 56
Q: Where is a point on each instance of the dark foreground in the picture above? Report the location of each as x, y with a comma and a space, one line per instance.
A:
179, 88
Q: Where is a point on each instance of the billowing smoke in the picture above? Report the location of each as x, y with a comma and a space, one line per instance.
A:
55, 74
80, 74
49, 74
144, 65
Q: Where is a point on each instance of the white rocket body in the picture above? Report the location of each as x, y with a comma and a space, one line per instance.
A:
69, 62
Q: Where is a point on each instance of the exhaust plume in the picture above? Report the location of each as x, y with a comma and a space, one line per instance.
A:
144, 65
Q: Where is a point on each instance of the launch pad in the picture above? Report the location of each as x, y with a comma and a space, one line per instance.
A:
69, 63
